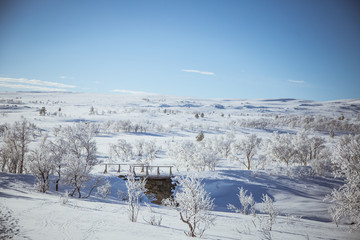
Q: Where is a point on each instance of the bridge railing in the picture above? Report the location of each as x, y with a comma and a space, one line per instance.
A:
145, 169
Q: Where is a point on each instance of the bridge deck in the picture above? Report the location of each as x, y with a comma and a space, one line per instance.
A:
142, 169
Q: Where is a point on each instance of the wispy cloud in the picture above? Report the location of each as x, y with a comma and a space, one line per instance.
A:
197, 71
66, 77
33, 84
132, 92
34, 88
296, 81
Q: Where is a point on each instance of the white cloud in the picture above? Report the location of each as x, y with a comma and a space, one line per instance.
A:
197, 71
295, 81
132, 92
34, 88
34, 82
62, 77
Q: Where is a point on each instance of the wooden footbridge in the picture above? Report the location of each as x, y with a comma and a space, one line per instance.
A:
158, 177
142, 170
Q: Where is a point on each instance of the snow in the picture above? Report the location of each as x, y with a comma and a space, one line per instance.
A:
27, 214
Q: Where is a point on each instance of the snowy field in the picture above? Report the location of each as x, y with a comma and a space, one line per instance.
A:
298, 189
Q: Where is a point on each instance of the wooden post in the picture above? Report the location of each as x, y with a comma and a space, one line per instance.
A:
119, 168
134, 171
105, 171
147, 170
158, 171
170, 171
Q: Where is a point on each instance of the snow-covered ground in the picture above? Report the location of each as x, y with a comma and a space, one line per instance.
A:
299, 197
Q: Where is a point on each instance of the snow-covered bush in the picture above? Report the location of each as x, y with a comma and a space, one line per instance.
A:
193, 204
246, 147
136, 188
246, 201
346, 199
153, 219
103, 190
200, 136
268, 208
65, 198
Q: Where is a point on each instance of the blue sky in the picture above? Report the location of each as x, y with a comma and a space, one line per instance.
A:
207, 49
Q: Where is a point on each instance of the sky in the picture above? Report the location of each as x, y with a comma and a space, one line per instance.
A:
195, 48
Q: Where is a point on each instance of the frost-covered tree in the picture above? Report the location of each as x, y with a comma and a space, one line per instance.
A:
193, 204
122, 151
58, 148
346, 199
75, 172
246, 201
246, 147
15, 145
226, 144
41, 164
282, 148
317, 144
136, 189
204, 157
302, 147
190, 155
80, 156
150, 149
139, 150
222, 145
182, 153
307, 148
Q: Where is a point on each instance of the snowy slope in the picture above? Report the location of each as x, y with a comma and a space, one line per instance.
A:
28, 214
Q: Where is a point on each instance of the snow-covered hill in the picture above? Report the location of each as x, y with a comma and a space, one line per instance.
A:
297, 192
